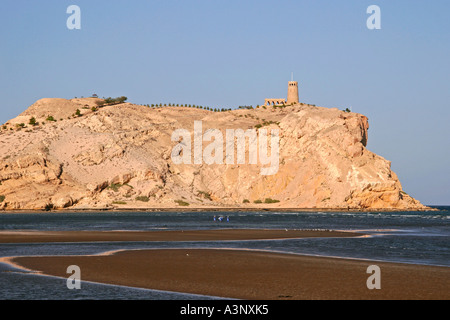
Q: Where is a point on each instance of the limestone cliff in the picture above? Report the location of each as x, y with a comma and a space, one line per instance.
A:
120, 157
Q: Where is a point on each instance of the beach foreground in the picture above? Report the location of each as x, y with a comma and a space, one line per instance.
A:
234, 273
246, 274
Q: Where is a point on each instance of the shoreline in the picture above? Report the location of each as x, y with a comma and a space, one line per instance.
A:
216, 209
247, 274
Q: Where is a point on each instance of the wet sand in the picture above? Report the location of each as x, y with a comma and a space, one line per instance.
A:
233, 273
248, 274
177, 235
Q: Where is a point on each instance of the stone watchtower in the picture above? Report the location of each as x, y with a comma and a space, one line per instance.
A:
292, 96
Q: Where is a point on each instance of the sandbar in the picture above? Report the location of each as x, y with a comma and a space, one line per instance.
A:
251, 274
29, 236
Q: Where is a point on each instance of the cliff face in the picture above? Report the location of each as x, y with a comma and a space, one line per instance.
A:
121, 156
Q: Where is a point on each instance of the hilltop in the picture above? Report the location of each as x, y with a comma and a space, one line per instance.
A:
82, 154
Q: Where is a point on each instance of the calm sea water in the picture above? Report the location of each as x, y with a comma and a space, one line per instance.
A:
408, 237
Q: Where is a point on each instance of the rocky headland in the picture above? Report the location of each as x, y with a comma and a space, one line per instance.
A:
82, 154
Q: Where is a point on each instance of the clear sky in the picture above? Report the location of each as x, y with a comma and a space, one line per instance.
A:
238, 52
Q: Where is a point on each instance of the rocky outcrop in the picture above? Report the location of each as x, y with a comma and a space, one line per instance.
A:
120, 157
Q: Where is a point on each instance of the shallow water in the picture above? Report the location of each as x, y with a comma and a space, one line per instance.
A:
408, 237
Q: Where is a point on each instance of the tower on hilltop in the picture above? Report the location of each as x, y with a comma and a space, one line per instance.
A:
292, 96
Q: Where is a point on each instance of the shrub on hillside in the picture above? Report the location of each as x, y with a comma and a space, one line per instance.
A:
182, 203
142, 198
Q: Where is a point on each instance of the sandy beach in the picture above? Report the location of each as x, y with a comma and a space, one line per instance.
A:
176, 235
234, 273
245, 274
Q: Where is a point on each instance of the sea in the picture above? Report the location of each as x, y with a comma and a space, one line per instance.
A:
405, 237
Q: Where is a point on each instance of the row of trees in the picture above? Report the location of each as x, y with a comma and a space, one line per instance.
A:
188, 106
111, 101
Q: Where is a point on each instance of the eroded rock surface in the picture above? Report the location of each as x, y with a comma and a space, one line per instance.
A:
120, 156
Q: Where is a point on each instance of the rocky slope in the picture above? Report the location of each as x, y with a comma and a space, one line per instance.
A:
120, 157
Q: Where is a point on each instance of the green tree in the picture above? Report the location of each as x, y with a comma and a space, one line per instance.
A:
77, 113
121, 99
32, 121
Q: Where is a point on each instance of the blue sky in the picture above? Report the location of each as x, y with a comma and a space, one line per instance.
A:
230, 53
